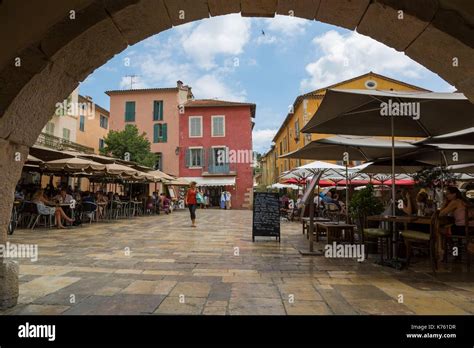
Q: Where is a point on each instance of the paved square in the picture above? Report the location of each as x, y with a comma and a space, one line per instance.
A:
160, 265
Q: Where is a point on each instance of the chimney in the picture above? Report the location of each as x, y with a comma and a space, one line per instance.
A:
179, 83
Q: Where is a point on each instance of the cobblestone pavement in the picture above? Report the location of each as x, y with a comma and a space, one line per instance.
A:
160, 265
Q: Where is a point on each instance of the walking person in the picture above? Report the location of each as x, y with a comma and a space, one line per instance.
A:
191, 202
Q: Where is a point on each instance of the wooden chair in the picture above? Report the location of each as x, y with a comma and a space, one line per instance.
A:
373, 236
422, 241
466, 241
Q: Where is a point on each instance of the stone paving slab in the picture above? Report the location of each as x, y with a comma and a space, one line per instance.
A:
150, 265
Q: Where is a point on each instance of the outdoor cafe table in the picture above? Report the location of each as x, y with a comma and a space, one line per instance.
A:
404, 219
305, 223
333, 231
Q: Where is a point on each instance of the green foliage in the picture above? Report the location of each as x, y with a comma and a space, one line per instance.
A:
117, 143
432, 177
364, 203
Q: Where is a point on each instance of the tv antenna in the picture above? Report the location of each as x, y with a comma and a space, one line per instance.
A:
131, 79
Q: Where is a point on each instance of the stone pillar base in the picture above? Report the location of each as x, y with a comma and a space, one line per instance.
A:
9, 287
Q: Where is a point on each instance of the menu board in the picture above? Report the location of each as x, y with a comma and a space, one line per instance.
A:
266, 215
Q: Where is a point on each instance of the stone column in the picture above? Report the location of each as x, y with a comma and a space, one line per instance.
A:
12, 158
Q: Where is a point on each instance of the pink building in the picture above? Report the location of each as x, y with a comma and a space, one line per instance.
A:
154, 111
215, 141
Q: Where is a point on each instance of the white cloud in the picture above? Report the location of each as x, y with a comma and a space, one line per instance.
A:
225, 35
287, 25
210, 86
262, 139
265, 40
346, 56
280, 29
126, 82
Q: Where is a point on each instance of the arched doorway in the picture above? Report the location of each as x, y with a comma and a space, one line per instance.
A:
47, 49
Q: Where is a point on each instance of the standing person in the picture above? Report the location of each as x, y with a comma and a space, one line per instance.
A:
227, 200
191, 202
222, 200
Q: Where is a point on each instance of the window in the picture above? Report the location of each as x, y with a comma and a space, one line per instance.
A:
194, 157
158, 110
49, 129
159, 161
160, 133
101, 144
195, 127
281, 148
130, 111
219, 156
81, 123
218, 126
104, 121
371, 84
297, 130
66, 133
285, 145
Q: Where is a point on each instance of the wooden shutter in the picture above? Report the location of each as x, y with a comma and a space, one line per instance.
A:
164, 132
130, 111
187, 161
156, 133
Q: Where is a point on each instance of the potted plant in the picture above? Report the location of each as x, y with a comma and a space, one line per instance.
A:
364, 203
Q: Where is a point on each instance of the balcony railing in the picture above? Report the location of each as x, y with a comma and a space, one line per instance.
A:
57, 143
219, 168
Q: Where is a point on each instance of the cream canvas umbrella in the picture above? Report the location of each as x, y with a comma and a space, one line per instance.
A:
119, 169
72, 165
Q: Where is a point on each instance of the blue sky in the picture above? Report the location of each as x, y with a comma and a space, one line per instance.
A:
229, 58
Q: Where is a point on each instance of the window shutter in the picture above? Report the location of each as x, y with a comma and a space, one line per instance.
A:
129, 111
187, 158
164, 132
161, 111
156, 130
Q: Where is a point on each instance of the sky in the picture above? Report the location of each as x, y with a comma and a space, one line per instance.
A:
266, 61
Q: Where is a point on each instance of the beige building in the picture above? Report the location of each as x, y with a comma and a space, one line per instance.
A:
92, 129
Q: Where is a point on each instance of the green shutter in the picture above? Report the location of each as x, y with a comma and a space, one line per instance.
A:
164, 132
130, 111
156, 133
157, 110
187, 158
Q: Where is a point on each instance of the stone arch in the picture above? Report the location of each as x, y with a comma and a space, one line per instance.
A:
58, 44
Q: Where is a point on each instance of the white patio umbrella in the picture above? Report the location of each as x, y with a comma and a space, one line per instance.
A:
72, 165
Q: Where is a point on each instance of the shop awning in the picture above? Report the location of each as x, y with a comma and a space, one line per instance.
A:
211, 181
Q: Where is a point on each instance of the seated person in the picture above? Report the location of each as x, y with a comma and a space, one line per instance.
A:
63, 197
165, 203
455, 206
40, 200
88, 197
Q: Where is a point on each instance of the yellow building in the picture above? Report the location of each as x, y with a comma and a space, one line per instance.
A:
268, 167
91, 129
289, 138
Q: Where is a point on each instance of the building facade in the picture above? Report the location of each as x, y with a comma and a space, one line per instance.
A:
91, 129
215, 149
155, 112
289, 137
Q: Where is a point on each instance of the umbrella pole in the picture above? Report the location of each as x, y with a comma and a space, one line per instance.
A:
347, 194
393, 186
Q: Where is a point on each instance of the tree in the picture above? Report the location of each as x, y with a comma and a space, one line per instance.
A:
117, 143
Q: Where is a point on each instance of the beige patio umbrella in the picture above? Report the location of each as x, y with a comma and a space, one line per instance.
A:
160, 176
72, 165
119, 169
178, 182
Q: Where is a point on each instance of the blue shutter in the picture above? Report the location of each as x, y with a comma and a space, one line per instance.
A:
164, 132
130, 111
187, 160
156, 131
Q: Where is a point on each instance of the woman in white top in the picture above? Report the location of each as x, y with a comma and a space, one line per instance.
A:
43, 209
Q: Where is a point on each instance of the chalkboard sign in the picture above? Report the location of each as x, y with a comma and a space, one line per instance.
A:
266, 215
